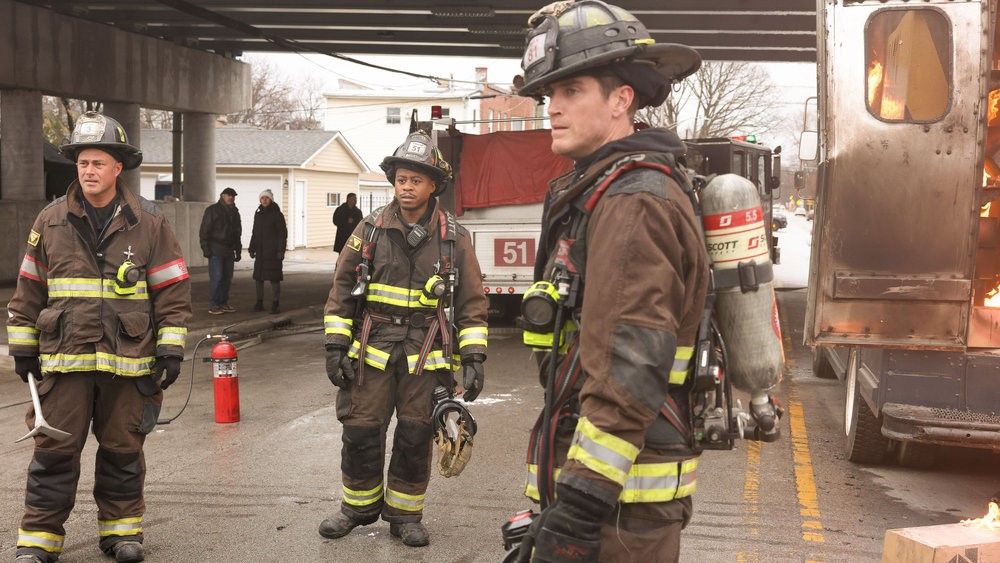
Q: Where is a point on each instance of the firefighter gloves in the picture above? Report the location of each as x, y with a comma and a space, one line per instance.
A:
472, 376
168, 367
567, 531
23, 365
338, 367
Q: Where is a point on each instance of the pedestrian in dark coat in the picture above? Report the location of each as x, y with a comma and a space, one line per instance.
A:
267, 248
220, 242
346, 218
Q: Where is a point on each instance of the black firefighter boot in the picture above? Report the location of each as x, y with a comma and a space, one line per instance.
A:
258, 306
128, 552
413, 534
274, 307
340, 524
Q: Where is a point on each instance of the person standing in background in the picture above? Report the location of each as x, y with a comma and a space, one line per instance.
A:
346, 218
220, 242
267, 248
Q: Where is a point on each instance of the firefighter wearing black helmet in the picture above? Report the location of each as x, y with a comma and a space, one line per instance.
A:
100, 317
406, 311
621, 280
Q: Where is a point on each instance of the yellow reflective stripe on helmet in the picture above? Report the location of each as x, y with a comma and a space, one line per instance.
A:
403, 501
472, 336
52, 543
373, 356
171, 336
682, 364
333, 324
603, 453
93, 287
121, 527
101, 361
24, 335
660, 482
646, 482
362, 498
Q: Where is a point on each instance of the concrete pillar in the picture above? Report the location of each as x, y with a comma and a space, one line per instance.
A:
22, 176
128, 115
199, 157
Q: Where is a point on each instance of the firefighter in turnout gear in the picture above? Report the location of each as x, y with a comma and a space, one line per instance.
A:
406, 311
99, 315
621, 281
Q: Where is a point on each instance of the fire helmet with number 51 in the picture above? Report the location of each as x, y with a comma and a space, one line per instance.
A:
419, 153
97, 131
573, 37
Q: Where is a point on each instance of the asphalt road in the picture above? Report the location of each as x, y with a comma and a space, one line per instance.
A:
257, 490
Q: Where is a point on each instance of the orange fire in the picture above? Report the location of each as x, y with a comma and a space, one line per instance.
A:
889, 107
993, 107
984, 211
992, 300
991, 520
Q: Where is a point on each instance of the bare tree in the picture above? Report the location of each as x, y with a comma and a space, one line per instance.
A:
731, 97
278, 103
668, 114
59, 116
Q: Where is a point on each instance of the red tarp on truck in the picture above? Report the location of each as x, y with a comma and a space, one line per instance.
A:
506, 168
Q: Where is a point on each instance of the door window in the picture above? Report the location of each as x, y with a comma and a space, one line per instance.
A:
908, 60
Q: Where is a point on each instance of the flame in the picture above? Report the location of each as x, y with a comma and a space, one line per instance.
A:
984, 211
993, 107
889, 107
874, 81
992, 300
991, 520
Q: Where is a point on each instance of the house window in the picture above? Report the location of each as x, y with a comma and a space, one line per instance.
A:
908, 64
445, 112
517, 125
392, 116
332, 200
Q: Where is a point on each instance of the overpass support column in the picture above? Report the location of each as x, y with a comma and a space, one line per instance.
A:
22, 175
199, 157
128, 116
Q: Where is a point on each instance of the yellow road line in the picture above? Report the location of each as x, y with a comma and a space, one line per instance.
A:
751, 506
805, 483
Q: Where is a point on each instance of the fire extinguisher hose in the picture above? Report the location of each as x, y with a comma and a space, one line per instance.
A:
194, 355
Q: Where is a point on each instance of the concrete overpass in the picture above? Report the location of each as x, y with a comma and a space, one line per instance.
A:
180, 56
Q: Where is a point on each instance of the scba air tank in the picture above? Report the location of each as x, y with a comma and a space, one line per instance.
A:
745, 307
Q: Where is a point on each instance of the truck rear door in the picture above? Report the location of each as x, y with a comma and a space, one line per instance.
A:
896, 225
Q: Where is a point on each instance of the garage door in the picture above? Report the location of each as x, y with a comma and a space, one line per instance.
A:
248, 187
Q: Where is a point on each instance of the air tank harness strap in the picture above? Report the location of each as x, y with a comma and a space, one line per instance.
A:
364, 271
441, 324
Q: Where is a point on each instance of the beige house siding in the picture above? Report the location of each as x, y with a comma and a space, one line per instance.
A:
334, 157
319, 217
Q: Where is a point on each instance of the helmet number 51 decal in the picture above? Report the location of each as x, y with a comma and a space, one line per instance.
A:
535, 51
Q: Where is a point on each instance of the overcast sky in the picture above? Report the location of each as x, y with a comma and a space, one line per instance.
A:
795, 81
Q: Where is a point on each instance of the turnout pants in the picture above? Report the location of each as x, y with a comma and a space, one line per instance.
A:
123, 410
645, 532
365, 412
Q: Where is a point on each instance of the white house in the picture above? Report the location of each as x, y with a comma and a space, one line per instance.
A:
309, 172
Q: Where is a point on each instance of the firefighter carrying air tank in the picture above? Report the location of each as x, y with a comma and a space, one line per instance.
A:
406, 306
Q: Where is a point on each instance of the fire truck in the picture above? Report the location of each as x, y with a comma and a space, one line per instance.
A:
501, 179
906, 242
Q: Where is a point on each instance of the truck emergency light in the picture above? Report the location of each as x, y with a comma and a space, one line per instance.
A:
435, 112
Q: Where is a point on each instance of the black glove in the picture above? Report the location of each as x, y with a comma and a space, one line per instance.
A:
169, 367
568, 531
206, 253
472, 376
237, 255
338, 367
23, 365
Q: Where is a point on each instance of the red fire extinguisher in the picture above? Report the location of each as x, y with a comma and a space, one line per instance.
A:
226, 382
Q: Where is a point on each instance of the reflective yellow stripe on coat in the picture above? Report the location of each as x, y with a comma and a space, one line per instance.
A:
682, 365
646, 482
394, 295
332, 324
373, 356
101, 361
92, 287
120, 527
472, 336
23, 335
171, 336
601, 452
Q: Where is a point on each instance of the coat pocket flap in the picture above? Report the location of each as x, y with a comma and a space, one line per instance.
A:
48, 319
135, 323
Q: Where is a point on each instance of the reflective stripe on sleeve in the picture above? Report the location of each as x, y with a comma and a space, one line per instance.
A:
682, 364
121, 527
101, 361
603, 453
93, 287
646, 482
52, 543
362, 498
338, 325
472, 336
403, 501
171, 336
167, 274
32, 269
23, 335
